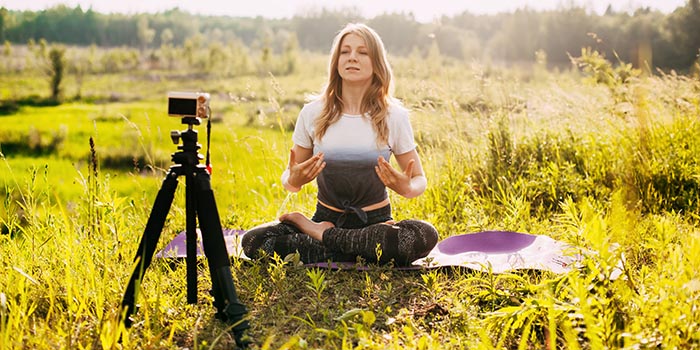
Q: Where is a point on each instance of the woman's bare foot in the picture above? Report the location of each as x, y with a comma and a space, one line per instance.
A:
313, 229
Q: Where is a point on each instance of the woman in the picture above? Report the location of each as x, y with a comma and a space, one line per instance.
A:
344, 139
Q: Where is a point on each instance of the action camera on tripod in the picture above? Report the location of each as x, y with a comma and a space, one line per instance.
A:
200, 205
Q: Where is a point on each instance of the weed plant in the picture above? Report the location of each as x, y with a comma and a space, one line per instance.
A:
559, 154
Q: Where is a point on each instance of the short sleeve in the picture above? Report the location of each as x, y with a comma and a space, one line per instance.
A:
400, 132
303, 129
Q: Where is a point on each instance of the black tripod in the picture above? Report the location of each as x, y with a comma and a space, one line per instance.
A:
200, 203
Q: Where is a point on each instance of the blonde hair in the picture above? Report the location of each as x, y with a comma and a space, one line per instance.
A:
375, 101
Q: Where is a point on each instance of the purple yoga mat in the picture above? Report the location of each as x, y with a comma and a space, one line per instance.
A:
177, 248
495, 251
501, 251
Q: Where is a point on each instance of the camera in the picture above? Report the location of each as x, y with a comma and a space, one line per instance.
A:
188, 104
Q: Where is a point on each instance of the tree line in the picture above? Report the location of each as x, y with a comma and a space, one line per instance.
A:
646, 38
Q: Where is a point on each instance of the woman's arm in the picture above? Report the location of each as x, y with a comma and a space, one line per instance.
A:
410, 182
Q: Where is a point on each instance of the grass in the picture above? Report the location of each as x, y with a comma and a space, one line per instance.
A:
612, 169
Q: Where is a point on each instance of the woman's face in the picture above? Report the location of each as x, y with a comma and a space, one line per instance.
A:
354, 63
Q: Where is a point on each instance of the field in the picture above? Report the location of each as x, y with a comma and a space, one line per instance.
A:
601, 157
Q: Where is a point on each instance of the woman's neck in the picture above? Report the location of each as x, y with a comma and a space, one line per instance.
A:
352, 98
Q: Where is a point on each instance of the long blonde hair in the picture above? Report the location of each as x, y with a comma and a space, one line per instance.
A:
375, 101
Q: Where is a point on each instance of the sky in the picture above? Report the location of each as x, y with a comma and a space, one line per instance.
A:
423, 10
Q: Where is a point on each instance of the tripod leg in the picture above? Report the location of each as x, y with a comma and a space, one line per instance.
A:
149, 240
234, 311
191, 239
229, 307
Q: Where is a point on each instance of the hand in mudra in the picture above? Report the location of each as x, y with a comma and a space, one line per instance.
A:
398, 181
306, 171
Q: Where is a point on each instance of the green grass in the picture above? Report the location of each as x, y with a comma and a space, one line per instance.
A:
612, 169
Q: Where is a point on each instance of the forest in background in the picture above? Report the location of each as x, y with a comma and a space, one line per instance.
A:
647, 38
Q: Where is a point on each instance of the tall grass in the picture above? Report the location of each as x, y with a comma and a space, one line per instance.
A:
611, 169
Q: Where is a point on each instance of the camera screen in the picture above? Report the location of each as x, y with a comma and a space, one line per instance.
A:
182, 106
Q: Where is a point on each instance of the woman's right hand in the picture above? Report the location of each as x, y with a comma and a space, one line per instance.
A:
304, 166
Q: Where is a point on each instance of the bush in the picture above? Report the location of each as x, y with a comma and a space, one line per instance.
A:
57, 67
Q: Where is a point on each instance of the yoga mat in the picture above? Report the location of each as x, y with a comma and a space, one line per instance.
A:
501, 251
495, 251
177, 247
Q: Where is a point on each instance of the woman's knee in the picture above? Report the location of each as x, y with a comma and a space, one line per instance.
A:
422, 231
254, 240
247, 241
416, 239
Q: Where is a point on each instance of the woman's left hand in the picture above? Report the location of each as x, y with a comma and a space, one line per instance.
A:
394, 179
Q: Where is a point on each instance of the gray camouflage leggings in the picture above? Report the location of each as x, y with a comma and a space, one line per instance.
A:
402, 243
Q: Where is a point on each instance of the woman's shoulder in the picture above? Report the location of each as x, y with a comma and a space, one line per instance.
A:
397, 110
313, 106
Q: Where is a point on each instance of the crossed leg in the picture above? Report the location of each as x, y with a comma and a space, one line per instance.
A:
313, 229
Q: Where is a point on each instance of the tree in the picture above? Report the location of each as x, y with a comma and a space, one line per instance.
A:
519, 37
3, 19
145, 33
57, 65
7, 53
316, 29
565, 32
641, 32
684, 26
216, 61
166, 49
291, 47
166, 36
398, 31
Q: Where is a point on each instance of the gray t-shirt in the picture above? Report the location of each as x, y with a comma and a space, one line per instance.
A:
350, 150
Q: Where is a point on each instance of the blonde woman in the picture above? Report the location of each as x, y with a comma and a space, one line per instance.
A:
344, 139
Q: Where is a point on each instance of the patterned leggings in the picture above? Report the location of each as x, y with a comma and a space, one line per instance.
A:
402, 243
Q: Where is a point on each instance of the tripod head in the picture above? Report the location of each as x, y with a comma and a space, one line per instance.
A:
189, 150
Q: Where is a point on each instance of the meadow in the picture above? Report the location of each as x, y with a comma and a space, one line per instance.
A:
598, 156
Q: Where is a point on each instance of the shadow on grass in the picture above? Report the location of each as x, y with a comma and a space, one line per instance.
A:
137, 163
24, 148
9, 107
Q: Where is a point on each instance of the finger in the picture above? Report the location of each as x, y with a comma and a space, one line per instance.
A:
384, 176
382, 162
390, 173
380, 174
310, 168
387, 176
318, 167
384, 166
316, 157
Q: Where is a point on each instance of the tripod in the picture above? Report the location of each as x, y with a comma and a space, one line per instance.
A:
199, 203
